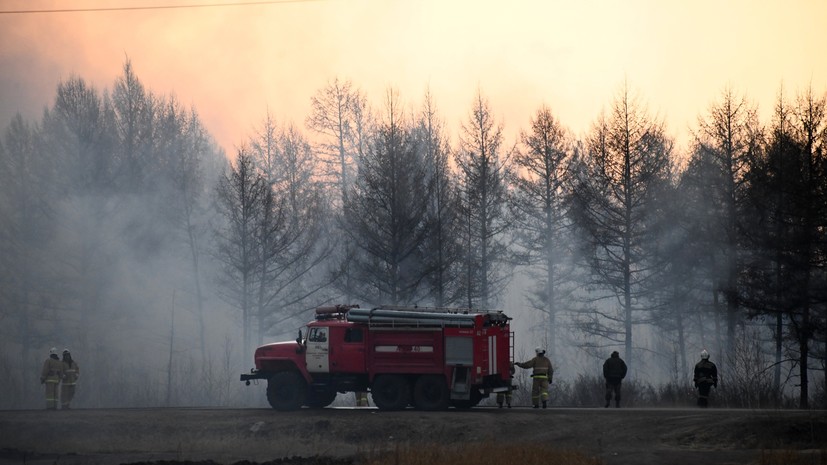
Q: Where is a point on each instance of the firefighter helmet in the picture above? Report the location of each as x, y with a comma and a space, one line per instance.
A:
66, 352
539, 350
705, 354
53, 351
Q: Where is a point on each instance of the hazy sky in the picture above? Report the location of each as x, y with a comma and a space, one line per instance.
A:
234, 62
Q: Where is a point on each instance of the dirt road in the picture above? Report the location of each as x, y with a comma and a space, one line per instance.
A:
617, 436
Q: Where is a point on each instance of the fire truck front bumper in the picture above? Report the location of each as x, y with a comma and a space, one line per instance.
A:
254, 374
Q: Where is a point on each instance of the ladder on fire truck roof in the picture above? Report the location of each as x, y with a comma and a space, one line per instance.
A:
410, 317
392, 315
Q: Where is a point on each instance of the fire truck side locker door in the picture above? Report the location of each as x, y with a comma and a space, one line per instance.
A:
459, 353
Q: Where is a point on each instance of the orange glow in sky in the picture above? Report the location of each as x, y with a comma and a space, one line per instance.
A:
233, 63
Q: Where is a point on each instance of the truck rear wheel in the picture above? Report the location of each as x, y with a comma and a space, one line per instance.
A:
431, 393
390, 392
286, 391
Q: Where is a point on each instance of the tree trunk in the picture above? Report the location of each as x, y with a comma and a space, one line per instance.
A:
682, 343
803, 344
551, 303
171, 351
199, 298
776, 384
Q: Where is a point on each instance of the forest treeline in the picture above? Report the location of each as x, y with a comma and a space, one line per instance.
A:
131, 238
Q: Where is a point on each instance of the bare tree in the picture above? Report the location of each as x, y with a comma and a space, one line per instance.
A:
809, 320
483, 174
77, 134
102, 191
385, 214
683, 306
339, 113
298, 242
74, 130
134, 118
189, 169
292, 245
625, 168
726, 139
25, 232
264, 147
780, 141
787, 185
542, 182
441, 252
241, 196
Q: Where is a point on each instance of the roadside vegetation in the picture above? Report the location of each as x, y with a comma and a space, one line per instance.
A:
486, 453
793, 457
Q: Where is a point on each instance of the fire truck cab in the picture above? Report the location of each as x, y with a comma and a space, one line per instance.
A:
428, 358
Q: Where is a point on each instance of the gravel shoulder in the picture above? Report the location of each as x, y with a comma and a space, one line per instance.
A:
226, 436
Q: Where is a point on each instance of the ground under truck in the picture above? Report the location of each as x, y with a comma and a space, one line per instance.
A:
427, 358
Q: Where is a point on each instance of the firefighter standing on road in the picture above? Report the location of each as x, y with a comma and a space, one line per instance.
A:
706, 376
614, 370
541, 376
50, 375
506, 396
71, 373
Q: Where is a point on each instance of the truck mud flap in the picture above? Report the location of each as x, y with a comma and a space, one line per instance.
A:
460, 383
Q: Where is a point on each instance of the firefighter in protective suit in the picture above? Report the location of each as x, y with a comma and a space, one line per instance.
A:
706, 377
541, 376
506, 396
71, 373
50, 376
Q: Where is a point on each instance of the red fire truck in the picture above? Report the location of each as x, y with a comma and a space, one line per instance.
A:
428, 358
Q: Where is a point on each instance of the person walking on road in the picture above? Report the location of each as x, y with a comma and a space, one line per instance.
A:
50, 376
71, 373
614, 370
706, 377
541, 376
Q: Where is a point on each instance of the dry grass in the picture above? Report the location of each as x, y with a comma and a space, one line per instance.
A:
793, 457
488, 453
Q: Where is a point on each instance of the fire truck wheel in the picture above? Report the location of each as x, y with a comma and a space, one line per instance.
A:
286, 391
316, 399
431, 393
391, 392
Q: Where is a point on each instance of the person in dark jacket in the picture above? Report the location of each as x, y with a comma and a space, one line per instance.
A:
50, 375
614, 370
706, 377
